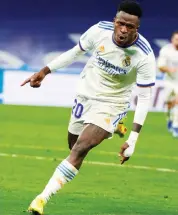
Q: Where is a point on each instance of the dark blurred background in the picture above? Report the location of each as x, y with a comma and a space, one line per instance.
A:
33, 32
33, 28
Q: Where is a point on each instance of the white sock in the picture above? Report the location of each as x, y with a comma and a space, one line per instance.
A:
64, 173
175, 117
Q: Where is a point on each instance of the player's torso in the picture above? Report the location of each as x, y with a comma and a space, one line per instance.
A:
112, 66
111, 71
172, 62
113, 63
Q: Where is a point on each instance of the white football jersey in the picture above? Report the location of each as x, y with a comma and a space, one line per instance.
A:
111, 72
168, 57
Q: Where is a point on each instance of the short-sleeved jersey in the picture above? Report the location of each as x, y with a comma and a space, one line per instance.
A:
168, 57
111, 72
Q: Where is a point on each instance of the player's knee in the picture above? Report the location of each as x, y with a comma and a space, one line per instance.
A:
83, 145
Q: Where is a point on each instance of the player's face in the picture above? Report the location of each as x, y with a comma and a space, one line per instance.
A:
125, 28
175, 40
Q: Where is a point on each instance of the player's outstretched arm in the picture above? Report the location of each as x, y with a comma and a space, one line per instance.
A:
86, 43
143, 103
61, 61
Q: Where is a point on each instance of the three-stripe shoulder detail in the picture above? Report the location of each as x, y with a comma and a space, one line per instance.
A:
143, 46
106, 25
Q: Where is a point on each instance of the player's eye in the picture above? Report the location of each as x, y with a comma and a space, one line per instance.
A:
121, 23
129, 26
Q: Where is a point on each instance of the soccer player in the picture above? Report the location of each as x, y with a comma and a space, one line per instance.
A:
121, 57
168, 64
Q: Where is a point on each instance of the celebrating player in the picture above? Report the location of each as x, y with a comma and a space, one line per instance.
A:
121, 57
168, 64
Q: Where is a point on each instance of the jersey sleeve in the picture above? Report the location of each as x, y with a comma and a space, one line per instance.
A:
146, 71
162, 58
87, 40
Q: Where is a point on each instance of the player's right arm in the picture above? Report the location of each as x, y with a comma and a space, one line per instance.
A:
85, 44
163, 61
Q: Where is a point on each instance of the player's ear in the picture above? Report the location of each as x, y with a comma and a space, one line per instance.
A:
138, 26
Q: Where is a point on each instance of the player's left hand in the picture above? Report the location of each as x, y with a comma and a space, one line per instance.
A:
121, 153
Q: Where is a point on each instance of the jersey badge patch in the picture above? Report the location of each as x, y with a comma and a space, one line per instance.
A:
126, 61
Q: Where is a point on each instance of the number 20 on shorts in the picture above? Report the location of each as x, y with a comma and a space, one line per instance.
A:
77, 109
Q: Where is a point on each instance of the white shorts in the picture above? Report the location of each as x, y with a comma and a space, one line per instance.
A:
102, 114
170, 90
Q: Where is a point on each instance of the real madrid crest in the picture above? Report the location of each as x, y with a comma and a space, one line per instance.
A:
127, 61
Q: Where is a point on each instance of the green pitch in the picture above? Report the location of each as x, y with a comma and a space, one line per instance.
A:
33, 141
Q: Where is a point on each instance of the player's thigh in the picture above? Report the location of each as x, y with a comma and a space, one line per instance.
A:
91, 136
72, 139
99, 125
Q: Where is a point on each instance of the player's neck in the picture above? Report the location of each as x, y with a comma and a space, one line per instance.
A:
134, 40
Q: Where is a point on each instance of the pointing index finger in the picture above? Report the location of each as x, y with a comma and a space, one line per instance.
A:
25, 82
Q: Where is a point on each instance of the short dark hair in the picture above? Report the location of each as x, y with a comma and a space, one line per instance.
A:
131, 7
175, 32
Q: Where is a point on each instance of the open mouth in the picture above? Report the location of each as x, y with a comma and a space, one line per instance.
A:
122, 38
